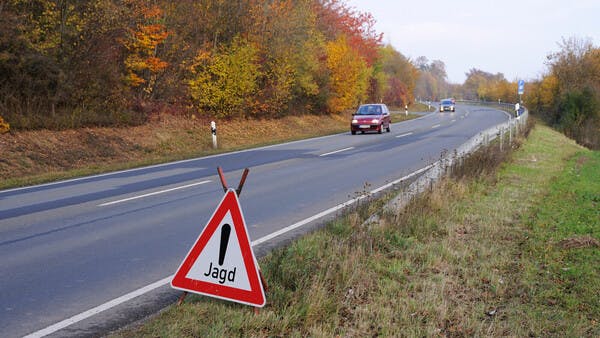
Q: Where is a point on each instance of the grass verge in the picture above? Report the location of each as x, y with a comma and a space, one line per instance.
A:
510, 252
33, 157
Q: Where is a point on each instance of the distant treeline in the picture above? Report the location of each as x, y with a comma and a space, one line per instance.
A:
73, 63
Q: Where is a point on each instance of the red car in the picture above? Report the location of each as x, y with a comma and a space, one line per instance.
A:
371, 117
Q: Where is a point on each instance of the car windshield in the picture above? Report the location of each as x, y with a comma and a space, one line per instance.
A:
369, 110
446, 102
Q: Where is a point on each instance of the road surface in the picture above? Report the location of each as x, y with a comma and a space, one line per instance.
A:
72, 246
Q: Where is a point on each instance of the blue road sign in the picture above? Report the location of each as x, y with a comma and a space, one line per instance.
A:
521, 87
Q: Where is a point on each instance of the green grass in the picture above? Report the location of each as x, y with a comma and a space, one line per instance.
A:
510, 252
564, 245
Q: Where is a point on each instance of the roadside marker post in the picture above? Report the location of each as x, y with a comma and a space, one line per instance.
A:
213, 131
221, 262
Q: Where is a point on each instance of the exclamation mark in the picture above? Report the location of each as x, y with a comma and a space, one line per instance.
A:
225, 231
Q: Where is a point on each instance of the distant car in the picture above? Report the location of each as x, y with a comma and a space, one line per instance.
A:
371, 117
446, 105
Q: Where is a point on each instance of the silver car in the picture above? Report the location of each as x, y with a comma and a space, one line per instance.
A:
446, 105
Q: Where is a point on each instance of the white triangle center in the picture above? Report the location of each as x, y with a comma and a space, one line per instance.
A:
232, 272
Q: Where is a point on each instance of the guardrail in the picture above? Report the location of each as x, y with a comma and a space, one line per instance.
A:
507, 130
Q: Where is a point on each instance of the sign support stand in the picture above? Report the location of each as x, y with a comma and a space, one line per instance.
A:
238, 192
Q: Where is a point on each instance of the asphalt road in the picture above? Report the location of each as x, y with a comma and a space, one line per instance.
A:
69, 247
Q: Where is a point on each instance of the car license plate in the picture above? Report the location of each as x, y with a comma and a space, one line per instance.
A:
364, 126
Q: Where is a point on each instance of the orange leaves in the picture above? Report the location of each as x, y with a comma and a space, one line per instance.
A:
147, 37
152, 12
143, 41
155, 64
359, 28
4, 126
133, 80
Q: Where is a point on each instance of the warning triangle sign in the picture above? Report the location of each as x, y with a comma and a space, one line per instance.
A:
221, 263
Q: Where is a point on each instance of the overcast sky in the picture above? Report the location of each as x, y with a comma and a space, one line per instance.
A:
512, 37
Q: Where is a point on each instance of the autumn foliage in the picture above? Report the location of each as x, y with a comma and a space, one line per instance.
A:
142, 42
4, 127
67, 64
568, 96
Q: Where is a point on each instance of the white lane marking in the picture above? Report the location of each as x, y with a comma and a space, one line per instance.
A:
153, 193
435, 126
335, 152
166, 164
453, 121
94, 311
129, 296
403, 135
335, 208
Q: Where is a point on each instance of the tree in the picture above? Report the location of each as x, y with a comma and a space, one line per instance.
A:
224, 82
142, 64
568, 96
400, 76
432, 79
349, 76
335, 19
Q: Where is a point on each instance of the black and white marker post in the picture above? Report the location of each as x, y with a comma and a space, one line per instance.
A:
213, 130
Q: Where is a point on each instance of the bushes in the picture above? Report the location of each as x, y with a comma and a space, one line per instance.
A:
105, 62
569, 96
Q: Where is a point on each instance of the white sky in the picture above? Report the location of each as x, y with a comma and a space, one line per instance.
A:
512, 37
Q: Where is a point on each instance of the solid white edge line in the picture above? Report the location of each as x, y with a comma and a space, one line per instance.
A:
91, 312
164, 164
435, 126
406, 134
129, 296
336, 151
152, 193
184, 161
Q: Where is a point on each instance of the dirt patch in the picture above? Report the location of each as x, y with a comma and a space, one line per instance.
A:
581, 161
579, 242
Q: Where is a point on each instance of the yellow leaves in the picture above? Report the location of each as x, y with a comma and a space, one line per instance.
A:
4, 126
349, 75
548, 90
224, 82
133, 80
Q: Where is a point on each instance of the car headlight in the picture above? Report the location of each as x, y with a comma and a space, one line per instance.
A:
354, 121
375, 121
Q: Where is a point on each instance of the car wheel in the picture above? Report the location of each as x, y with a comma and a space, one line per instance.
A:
362, 131
353, 132
380, 129
388, 128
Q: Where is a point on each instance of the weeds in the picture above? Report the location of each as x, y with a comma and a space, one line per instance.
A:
472, 257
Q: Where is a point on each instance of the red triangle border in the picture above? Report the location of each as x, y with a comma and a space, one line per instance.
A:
255, 296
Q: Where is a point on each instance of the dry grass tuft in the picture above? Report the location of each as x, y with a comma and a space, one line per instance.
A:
579, 242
